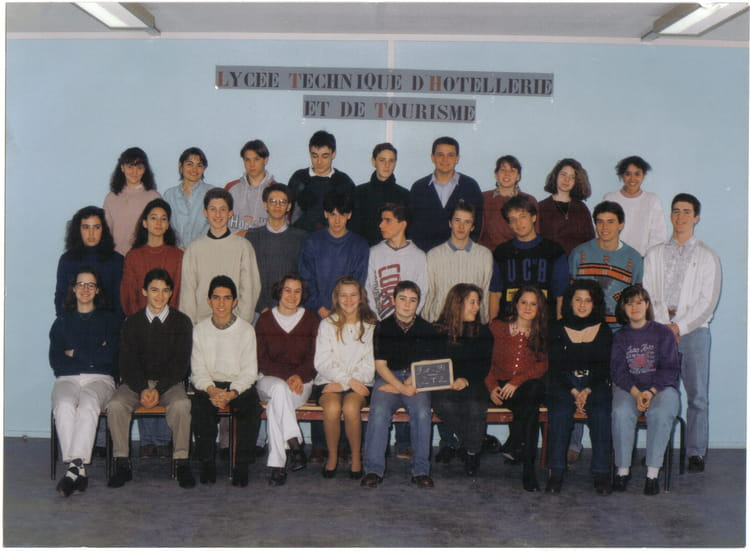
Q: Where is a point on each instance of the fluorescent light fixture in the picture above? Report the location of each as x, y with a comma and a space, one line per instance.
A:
695, 19
116, 15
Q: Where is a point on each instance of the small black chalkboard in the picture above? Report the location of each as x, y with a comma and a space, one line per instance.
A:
432, 374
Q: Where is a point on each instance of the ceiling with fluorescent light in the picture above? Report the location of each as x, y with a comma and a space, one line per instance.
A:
616, 22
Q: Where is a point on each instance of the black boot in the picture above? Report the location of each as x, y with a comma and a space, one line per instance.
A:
122, 473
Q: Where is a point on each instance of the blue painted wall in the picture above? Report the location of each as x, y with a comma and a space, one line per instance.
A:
74, 105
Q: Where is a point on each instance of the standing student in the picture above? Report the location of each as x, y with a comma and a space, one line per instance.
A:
224, 369
311, 185
684, 278
463, 407
82, 354
186, 198
153, 247
579, 350
219, 252
248, 190
646, 225
276, 244
88, 242
371, 196
645, 376
399, 340
286, 362
131, 186
564, 217
519, 360
495, 229
346, 367
433, 197
154, 362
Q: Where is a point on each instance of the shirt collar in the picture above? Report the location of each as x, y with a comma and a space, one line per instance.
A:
162, 315
313, 175
452, 182
212, 236
467, 248
282, 229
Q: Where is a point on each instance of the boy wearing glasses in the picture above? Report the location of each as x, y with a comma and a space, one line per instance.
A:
277, 244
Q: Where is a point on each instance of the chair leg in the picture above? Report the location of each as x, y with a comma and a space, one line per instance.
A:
107, 447
545, 433
667, 467
53, 446
683, 444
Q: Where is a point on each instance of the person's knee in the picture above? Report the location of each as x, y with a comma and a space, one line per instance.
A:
179, 407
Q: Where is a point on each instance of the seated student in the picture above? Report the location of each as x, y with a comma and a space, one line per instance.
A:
495, 229
88, 242
131, 186
579, 349
224, 368
249, 189
519, 360
646, 376
154, 362
82, 354
218, 252
276, 244
311, 185
371, 196
186, 198
345, 366
399, 340
153, 247
286, 361
463, 407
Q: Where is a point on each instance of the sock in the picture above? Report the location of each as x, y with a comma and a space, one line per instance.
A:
652, 472
623, 471
293, 443
76, 469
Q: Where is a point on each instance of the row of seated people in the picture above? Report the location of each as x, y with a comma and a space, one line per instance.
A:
350, 360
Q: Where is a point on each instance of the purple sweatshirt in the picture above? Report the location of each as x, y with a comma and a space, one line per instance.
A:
645, 358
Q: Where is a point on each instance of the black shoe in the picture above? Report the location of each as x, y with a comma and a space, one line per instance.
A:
355, 475
512, 455
260, 451
240, 475
423, 481
621, 483
329, 474
278, 477
82, 482
528, 479
371, 480
445, 454
122, 473
185, 476
651, 488
318, 455
100, 451
66, 486
603, 485
208, 472
164, 451
224, 454
297, 460
147, 450
696, 464
471, 465
554, 485
491, 444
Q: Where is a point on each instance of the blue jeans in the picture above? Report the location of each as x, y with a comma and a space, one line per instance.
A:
154, 430
694, 348
598, 410
660, 417
382, 406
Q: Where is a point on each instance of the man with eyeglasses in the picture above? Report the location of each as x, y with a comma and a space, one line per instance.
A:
277, 244
248, 190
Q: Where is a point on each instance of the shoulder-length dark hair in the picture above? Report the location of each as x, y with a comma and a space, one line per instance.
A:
364, 315
140, 235
581, 189
538, 335
278, 286
594, 291
127, 157
100, 299
74, 242
450, 322
628, 294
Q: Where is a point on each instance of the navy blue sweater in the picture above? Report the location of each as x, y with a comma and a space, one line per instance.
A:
94, 338
110, 271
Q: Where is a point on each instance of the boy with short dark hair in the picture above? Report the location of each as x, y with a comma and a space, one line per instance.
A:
311, 185
248, 189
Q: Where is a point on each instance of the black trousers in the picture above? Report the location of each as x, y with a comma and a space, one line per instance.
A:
246, 410
464, 412
524, 430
